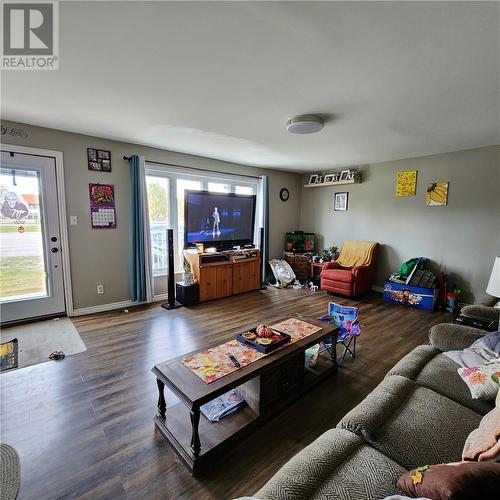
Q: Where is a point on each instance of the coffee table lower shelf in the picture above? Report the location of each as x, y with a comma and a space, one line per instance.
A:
176, 427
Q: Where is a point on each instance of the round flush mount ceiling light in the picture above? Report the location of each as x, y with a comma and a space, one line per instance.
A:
305, 124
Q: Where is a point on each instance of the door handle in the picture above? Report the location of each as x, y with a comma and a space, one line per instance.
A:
54, 249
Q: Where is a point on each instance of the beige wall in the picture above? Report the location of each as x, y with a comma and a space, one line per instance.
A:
99, 256
462, 237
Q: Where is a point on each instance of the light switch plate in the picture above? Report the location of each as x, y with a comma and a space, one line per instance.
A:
73, 220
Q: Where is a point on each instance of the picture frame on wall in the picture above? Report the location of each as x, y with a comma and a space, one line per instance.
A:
99, 160
437, 194
344, 175
340, 201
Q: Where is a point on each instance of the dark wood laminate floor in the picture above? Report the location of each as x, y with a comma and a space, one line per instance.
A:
83, 426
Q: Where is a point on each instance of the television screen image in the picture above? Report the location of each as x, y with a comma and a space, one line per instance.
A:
224, 219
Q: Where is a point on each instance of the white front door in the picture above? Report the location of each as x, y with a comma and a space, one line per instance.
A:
31, 274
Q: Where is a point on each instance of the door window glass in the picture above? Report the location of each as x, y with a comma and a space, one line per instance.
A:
22, 261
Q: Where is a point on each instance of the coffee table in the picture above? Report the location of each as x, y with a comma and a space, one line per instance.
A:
268, 385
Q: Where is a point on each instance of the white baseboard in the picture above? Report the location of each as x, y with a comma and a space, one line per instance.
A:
113, 306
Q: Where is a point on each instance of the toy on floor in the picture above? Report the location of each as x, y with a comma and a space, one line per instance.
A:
57, 355
283, 273
313, 287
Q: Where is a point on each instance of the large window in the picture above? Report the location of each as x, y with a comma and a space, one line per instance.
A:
166, 206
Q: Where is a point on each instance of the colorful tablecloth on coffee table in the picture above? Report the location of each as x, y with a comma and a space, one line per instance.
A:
214, 363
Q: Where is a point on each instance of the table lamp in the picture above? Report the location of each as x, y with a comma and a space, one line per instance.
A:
493, 287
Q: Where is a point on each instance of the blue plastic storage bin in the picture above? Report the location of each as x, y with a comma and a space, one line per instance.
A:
414, 296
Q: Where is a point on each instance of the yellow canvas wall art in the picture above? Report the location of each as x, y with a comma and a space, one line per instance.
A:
406, 183
437, 194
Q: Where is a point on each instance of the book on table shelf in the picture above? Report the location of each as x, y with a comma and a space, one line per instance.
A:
222, 406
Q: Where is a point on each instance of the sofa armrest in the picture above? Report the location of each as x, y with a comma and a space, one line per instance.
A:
450, 337
330, 265
488, 300
483, 312
361, 269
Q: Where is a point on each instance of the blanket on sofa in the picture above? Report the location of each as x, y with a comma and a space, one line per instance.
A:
356, 253
484, 442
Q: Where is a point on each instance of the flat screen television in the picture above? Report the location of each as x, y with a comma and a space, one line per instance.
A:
221, 220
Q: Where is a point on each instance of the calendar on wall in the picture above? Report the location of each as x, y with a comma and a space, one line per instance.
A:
102, 206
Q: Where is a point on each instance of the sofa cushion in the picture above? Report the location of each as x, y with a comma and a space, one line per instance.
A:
338, 465
344, 275
429, 367
411, 424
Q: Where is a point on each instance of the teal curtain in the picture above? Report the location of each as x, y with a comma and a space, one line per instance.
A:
141, 279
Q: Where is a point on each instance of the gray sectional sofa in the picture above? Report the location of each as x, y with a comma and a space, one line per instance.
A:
421, 413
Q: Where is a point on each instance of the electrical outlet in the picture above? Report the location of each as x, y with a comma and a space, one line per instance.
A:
100, 289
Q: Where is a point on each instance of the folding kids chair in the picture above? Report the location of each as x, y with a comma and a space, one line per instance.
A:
346, 318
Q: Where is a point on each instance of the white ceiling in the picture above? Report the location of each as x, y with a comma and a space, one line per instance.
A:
394, 79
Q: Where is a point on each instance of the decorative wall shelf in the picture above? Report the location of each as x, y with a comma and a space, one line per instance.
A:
337, 183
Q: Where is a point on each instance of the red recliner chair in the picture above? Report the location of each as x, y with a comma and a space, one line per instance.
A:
353, 280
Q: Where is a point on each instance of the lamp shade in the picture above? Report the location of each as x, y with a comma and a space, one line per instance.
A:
493, 287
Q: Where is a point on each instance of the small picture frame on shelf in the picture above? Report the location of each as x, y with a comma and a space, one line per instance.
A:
329, 178
344, 175
319, 180
340, 202
313, 179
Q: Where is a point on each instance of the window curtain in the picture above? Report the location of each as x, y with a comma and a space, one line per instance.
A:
141, 272
264, 218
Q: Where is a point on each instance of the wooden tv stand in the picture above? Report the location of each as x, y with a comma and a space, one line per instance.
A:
224, 278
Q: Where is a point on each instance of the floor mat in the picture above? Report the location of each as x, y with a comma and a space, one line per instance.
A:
8, 355
9, 472
37, 340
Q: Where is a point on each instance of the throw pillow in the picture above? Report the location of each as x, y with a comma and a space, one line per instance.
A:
480, 381
483, 443
458, 481
482, 351
401, 497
